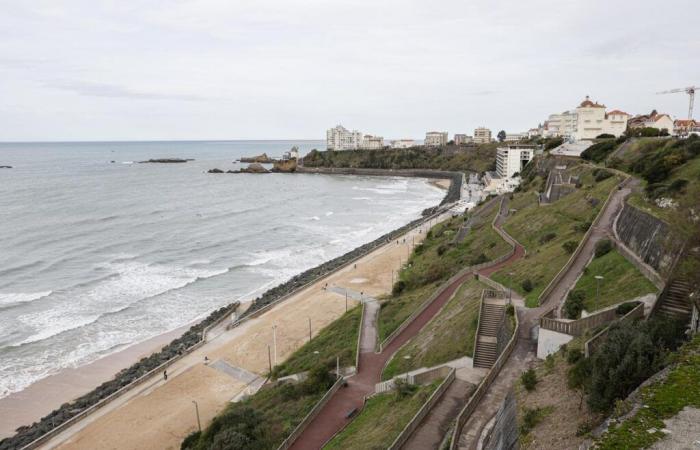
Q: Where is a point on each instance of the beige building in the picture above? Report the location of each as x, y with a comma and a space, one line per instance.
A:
515, 137
652, 120
435, 138
463, 139
370, 142
482, 135
587, 122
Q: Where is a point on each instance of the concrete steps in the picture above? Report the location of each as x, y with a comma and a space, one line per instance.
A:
486, 346
675, 301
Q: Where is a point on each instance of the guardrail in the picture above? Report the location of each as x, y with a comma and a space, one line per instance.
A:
542, 298
311, 415
476, 397
422, 412
591, 345
578, 327
114, 395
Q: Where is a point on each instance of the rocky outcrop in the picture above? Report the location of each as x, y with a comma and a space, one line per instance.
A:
166, 161
215, 171
261, 159
287, 166
649, 238
252, 168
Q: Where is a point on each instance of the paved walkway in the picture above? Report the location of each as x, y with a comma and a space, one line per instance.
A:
334, 415
602, 230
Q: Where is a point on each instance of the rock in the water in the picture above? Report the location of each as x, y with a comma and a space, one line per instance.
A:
215, 171
263, 159
255, 168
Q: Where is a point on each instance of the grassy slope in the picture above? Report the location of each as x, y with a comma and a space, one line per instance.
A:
381, 420
662, 400
622, 281
448, 336
531, 222
427, 268
337, 339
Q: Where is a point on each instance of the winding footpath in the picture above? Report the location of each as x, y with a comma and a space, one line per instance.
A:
338, 412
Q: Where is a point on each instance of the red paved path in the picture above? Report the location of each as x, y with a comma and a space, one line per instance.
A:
332, 418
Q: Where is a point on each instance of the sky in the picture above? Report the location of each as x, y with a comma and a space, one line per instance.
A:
290, 69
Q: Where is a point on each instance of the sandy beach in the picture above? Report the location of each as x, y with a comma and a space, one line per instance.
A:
159, 414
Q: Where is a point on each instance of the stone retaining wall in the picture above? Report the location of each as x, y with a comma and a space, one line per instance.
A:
503, 435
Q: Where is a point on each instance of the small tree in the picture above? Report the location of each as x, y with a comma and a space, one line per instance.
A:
569, 246
574, 304
603, 247
527, 285
501, 136
529, 380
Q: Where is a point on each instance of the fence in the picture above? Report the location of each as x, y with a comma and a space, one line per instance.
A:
594, 343
542, 299
578, 327
422, 412
311, 415
476, 397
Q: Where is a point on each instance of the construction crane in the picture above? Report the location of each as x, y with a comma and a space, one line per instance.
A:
691, 93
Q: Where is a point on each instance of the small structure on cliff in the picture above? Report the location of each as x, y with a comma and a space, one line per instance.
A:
559, 184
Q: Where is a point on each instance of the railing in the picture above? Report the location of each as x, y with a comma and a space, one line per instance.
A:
411, 426
591, 345
542, 298
578, 327
311, 415
476, 397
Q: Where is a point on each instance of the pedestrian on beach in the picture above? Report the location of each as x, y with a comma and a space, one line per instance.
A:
355, 265
206, 359
165, 375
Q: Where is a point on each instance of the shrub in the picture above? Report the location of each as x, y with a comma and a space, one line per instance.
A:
574, 304
398, 287
527, 285
677, 185
602, 175
441, 249
583, 226
624, 308
479, 260
605, 136
598, 152
553, 143
569, 246
531, 417
547, 237
529, 380
404, 388
603, 247
573, 356
510, 310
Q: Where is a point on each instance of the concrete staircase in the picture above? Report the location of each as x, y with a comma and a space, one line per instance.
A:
675, 301
490, 320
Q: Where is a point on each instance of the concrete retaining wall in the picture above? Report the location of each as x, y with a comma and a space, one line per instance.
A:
503, 435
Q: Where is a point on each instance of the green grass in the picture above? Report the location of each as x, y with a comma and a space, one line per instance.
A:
381, 420
448, 336
437, 259
532, 222
337, 339
622, 281
662, 400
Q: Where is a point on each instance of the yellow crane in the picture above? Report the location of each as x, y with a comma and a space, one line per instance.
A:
690, 90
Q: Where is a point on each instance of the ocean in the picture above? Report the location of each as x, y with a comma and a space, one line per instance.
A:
99, 252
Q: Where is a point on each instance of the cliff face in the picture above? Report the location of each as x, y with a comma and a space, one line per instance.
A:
285, 166
650, 238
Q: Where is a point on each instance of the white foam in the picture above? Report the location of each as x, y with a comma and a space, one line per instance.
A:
329, 213
8, 299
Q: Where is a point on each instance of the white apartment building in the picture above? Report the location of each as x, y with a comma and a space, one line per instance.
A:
512, 160
403, 143
435, 138
462, 139
370, 142
515, 137
560, 125
482, 135
340, 138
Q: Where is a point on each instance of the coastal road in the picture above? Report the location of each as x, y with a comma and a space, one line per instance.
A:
159, 414
334, 415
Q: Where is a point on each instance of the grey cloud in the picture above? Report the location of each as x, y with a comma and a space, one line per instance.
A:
92, 89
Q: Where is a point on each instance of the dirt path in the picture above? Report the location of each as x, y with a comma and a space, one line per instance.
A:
335, 414
159, 414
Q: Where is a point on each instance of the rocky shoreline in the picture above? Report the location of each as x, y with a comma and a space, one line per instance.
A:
190, 338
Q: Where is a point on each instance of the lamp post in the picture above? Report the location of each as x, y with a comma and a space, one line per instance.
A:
196, 410
309, 329
274, 341
598, 278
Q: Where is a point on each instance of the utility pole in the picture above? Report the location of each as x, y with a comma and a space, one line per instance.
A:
337, 366
196, 409
346, 300
309, 329
269, 358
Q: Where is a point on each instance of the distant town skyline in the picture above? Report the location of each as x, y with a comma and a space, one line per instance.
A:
214, 69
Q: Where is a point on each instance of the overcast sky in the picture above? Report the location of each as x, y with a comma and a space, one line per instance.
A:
275, 69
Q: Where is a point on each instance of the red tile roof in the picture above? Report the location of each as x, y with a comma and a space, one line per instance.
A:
617, 112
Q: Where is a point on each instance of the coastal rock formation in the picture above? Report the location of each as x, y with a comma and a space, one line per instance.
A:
252, 168
288, 166
215, 171
166, 161
262, 159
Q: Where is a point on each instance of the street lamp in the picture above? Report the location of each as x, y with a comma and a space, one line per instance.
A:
196, 409
598, 278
